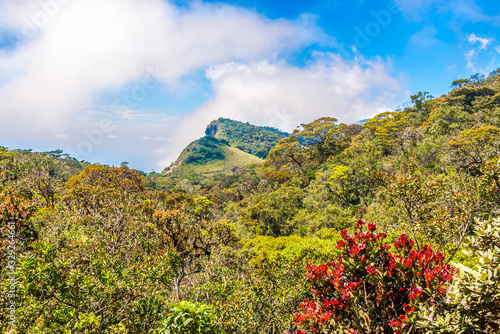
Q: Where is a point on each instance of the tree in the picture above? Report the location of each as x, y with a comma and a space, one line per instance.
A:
287, 154
347, 186
187, 233
100, 189
440, 210
276, 178
459, 83
474, 147
388, 129
321, 136
421, 101
312, 144
272, 214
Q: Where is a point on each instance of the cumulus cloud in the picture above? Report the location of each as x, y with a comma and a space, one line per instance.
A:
71, 53
284, 96
68, 54
472, 38
69, 50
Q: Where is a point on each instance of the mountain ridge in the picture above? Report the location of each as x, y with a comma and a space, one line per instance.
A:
249, 138
227, 144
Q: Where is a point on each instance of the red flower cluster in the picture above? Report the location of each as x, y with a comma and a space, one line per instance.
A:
399, 324
368, 280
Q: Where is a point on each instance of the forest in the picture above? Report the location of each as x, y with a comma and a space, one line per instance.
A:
387, 227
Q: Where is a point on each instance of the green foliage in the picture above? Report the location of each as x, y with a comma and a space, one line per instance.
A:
389, 130
474, 147
255, 140
188, 318
311, 145
204, 150
272, 214
474, 299
312, 248
459, 83
425, 202
253, 297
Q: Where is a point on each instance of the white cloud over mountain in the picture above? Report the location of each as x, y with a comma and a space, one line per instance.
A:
69, 52
284, 96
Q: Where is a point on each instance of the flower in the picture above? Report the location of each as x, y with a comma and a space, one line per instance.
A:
360, 223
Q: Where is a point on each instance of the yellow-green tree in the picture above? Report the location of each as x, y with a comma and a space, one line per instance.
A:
389, 130
474, 147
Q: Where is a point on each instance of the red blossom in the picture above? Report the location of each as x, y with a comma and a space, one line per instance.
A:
339, 285
360, 224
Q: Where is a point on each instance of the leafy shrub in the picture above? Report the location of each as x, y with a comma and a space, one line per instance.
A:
188, 318
475, 296
369, 289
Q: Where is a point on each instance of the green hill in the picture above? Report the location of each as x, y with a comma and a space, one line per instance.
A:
252, 139
209, 155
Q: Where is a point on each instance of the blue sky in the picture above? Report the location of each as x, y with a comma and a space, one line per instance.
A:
136, 80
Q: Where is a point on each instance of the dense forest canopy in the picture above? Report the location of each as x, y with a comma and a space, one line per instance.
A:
386, 227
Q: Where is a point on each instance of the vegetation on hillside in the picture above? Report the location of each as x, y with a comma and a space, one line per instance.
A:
387, 227
255, 140
205, 157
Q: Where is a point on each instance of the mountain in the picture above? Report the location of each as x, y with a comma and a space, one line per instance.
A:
209, 155
252, 139
227, 144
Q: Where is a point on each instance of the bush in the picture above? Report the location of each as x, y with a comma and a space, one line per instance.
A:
369, 289
188, 318
474, 300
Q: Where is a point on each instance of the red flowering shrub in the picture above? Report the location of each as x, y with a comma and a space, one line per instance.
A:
370, 289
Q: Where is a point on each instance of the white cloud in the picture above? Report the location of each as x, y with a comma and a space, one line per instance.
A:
284, 96
83, 46
469, 56
480, 59
71, 52
472, 38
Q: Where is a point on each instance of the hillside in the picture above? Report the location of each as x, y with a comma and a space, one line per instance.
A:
252, 139
209, 155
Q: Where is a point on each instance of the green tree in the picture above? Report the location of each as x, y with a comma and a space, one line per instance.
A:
389, 130
474, 147
459, 83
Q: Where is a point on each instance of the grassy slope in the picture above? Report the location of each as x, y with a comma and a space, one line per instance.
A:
256, 140
234, 157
